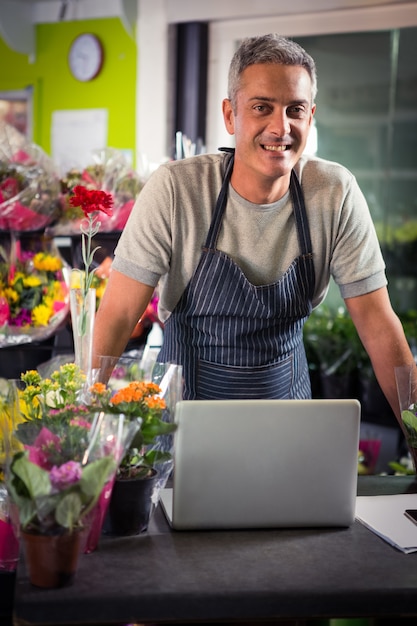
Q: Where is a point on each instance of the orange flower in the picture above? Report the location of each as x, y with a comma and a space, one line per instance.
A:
155, 403
98, 388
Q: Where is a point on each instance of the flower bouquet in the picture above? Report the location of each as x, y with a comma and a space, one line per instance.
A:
109, 172
29, 188
34, 295
68, 454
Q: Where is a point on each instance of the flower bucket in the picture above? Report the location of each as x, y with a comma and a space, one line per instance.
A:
51, 560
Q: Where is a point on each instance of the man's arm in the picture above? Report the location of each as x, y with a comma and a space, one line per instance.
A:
382, 335
124, 302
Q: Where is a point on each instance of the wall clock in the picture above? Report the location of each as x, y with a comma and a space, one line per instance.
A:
86, 56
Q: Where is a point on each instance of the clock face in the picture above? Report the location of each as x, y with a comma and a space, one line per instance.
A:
85, 57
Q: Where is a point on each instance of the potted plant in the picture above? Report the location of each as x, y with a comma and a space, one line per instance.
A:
63, 455
131, 499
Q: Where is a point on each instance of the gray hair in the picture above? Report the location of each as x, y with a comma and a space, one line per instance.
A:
269, 49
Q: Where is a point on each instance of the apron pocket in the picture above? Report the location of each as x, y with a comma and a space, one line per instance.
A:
222, 382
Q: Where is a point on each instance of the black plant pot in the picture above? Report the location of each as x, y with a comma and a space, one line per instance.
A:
130, 506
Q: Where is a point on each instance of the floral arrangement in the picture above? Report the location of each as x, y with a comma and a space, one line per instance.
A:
141, 401
108, 172
34, 295
67, 453
29, 188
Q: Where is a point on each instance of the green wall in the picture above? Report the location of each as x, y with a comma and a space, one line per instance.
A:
55, 89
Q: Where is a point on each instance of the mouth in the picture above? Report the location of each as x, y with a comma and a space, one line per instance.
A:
275, 148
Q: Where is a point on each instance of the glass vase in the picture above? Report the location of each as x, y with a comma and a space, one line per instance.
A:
405, 376
83, 311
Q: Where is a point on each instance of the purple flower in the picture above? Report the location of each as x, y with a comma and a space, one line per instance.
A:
65, 475
23, 318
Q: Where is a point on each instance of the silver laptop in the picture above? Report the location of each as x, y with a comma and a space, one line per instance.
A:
264, 464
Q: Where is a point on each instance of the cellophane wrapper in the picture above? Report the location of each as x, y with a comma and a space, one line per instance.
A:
109, 171
406, 380
120, 431
169, 377
9, 526
53, 442
29, 187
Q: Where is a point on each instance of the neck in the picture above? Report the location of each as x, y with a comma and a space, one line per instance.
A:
260, 191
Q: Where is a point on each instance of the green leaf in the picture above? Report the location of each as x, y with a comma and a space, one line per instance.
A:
157, 427
154, 457
68, 511
95, 475
34, 478
409, 419
410, 422
400, 469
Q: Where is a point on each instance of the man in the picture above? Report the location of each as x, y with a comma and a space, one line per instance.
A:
243, 244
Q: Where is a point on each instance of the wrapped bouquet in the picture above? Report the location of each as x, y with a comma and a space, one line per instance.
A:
34, 294
29, 187
109, 171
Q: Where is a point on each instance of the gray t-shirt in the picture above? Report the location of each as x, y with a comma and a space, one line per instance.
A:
163, 239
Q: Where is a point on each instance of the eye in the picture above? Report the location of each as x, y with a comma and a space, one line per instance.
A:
262, 108
297, 110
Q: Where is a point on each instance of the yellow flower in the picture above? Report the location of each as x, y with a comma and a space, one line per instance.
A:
46, 262
100, 290
77, 279
31, 281
11, 295
41, 315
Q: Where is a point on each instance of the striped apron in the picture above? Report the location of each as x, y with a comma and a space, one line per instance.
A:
237, 340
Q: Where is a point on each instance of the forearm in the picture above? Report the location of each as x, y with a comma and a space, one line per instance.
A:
387, 353
383, 337
123, 303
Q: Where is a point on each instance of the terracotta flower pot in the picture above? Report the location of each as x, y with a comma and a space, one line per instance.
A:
51, 560
130, 506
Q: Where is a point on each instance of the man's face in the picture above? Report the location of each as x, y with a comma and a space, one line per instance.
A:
270, 121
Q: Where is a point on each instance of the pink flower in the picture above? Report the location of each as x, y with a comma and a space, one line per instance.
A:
20, 156
80, 422
58, 306
45, 441
65, 475
4, 311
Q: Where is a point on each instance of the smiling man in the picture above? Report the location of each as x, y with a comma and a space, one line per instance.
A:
243, 244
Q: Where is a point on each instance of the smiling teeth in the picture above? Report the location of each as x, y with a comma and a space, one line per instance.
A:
275, 148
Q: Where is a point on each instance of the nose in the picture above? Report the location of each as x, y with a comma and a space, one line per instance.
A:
280, 123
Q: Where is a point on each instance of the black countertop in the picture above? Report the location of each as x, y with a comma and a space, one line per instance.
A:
168, 576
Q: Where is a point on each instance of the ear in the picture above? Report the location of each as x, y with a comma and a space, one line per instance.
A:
313, 110
228, 116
